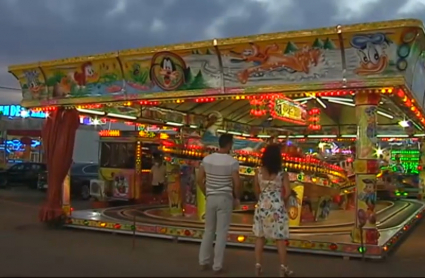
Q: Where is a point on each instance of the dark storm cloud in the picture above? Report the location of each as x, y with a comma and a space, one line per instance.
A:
34, 30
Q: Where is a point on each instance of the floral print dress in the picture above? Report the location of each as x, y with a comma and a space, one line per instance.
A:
270, 218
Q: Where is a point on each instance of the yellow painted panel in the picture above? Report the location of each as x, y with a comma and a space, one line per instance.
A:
82, 79
165, 71
283, 62
32, 81
120, 182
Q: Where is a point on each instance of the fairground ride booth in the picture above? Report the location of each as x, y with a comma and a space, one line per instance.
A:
20, 135
296, 88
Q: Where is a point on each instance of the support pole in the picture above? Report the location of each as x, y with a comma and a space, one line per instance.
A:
366, 166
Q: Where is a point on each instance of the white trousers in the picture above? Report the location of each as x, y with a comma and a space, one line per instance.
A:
218, 215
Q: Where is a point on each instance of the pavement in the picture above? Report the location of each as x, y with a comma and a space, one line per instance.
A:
29, 248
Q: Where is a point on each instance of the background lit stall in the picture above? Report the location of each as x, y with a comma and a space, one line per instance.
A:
17, 147
125, 161
400, 168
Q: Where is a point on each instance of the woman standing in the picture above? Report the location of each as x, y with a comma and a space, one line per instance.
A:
270, 218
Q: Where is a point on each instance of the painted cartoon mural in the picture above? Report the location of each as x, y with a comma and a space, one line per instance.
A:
88, 79
372, 53
367, 131
32, 83
366, 203
389, 52
171, 71
281, 62
231, 64
188, 183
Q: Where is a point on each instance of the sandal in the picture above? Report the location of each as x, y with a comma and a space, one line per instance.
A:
258, 270
285, 271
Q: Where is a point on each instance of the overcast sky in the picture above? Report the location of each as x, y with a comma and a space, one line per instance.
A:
36, 30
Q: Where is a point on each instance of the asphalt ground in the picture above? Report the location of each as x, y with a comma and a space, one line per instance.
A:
29, 248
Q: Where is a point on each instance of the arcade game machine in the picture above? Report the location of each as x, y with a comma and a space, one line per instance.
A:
247, 178
405, 168
125, 162
400, 168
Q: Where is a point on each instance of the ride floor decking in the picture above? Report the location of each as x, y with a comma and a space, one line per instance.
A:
331, 236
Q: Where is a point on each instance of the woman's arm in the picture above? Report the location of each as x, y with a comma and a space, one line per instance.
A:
286, 187
257, 189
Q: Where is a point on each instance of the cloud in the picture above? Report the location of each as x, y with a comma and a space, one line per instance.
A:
52, 29
412, 7
119, 8
353, 10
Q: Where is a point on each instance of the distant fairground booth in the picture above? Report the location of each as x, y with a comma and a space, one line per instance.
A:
346, 103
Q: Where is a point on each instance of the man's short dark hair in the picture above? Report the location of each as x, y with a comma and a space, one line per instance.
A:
225, 140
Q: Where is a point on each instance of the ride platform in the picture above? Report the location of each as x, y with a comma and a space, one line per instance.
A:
332, 236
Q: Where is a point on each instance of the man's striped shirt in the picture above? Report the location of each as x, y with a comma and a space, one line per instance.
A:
218, 169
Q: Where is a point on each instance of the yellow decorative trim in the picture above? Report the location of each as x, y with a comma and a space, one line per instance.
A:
23, 67
175, 47
278, 36
373, 26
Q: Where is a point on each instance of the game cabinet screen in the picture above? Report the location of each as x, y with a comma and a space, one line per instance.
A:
117, 155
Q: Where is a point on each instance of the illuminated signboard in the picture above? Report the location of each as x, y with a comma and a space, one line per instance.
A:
84, 120
13, 111
147, 134
288, 110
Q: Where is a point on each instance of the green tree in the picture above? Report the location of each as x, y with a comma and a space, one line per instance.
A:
198, 82
189, 76
290, 48
55, 78
329, 44
318, 43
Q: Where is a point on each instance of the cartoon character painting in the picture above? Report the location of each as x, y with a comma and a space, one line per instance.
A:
270, 59
368, 197
168, 71
189, 184
33, 84
85, 75
324, 208
121, 186
62, 88
372, 53
369, 193
369, 129
294, 204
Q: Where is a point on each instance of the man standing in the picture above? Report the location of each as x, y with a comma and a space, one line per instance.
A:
220, 182
158, 177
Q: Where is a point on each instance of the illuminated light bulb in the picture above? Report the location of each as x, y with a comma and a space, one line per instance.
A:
241, 238
379, 152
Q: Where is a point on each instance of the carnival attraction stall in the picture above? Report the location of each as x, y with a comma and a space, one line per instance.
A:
329, 84
125, 160
400, 169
